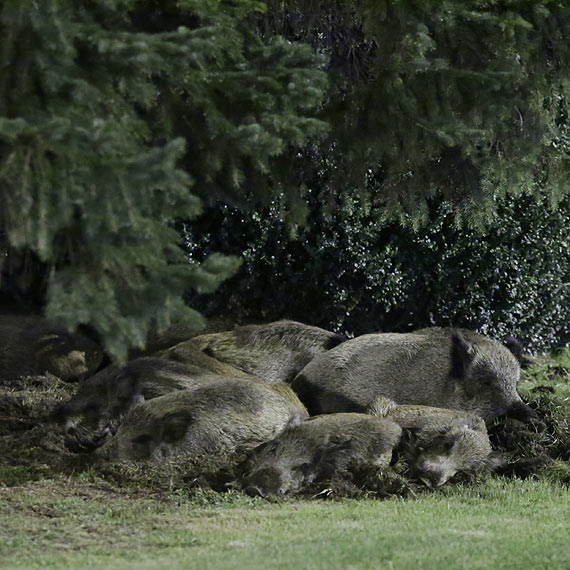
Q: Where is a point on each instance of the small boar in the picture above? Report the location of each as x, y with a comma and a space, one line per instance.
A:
225, 417
103, 399
33, 345
316, 450
274, 352
455, 369
439, 442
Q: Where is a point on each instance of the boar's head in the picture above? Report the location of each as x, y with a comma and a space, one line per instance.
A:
485, 379
438, 456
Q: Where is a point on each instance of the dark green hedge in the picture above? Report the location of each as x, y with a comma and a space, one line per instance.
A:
353, 274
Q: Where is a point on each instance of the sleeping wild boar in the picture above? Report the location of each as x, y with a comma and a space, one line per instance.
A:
321, 448
103, 399
274, 352
449, 368
223, 418
439, 442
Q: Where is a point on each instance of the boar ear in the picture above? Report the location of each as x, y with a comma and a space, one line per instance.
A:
209, 352
334, 340
462, 354
408, 435
175, 426
327, 454
335, 444
408, 445
515, 347
381, 407
127, 383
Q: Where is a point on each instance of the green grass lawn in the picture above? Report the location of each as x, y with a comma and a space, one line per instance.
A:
70, 523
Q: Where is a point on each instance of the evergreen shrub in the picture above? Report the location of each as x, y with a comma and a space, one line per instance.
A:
352, 273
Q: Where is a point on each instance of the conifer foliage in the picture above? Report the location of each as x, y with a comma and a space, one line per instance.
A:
461, 99
117, 117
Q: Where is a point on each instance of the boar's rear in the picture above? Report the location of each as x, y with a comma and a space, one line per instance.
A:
447, 368
274, 352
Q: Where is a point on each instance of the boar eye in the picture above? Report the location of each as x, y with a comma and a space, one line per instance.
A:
304, 468
143, 439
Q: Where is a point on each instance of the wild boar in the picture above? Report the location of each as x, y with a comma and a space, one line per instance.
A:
103, 399
455, 369
33, 345
439, 442
225, 417
316, 450
274, 352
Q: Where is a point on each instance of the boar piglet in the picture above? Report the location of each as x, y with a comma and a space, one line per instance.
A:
438, 442
455, 369
274, 352
321, 448
221, 418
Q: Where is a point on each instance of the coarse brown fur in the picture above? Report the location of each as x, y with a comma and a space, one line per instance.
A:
103, 399
224, 417
322, 448
439, 442
274, 352
190, 353
450, 368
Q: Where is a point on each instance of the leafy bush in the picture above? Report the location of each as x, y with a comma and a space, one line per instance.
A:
352, 273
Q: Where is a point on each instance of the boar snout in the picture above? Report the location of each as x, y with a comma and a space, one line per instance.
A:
520, 411
435, 474
267, 481
79, 440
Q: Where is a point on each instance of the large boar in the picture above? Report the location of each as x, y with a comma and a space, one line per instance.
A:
33, 345
225, 417
434, 367
440, 442
319, 449
104, 398
274, 352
